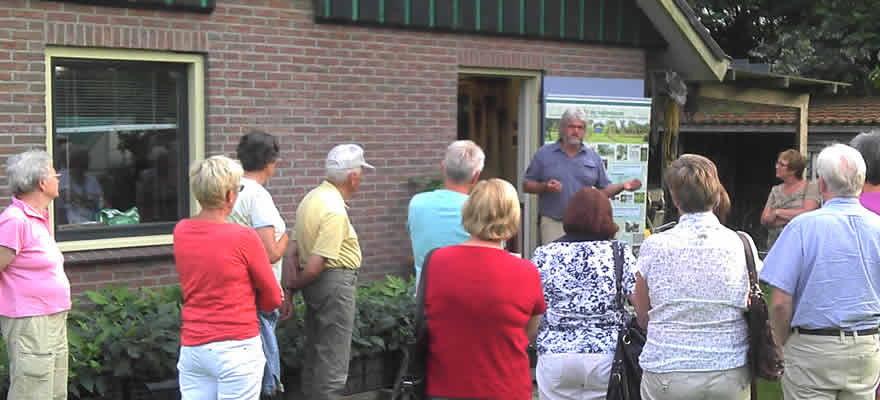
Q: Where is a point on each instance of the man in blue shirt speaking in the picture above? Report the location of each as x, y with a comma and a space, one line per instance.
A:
825, 273
559, 170
435, 217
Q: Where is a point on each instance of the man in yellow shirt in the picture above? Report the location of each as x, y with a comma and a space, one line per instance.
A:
327, 245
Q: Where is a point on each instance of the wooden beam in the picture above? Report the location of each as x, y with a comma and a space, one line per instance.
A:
765, 96
753, 95
771, 83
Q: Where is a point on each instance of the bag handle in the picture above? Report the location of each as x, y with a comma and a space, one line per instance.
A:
750, 263
617, 249
754, 289
420, 322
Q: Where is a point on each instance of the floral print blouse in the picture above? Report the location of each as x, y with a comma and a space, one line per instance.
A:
579, 288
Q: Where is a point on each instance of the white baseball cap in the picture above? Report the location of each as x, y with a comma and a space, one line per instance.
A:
346, 156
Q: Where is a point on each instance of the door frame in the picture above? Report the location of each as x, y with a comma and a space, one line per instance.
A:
528, 141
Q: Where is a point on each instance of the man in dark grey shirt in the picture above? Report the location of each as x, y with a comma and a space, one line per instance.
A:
559, 170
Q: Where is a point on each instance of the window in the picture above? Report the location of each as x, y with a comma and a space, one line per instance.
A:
124, 127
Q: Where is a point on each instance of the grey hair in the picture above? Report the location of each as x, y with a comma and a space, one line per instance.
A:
26, 170
572, 114
842, 168
338, 176
464, 158
868, 143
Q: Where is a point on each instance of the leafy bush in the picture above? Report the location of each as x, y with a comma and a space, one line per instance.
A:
121, 336
383, 321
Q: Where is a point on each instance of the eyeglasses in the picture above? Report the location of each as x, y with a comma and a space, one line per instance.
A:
241, 188
781, 164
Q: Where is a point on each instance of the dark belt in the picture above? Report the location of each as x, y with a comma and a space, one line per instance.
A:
834, 332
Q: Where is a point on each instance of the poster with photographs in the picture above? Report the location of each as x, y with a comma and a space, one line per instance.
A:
617, 130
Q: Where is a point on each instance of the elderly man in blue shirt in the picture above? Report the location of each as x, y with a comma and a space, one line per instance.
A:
825, 273
559, 170
434, 218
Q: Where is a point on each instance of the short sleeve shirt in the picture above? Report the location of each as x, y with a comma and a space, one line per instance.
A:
581, 290
827, 260
779, 199
434, 221
34, 282
697, 277
323, 228
254, 208
585, 169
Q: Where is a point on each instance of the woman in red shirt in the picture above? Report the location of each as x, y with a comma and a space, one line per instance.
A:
225, 275
482, 304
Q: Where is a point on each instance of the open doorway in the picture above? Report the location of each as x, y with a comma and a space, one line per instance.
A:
498, 110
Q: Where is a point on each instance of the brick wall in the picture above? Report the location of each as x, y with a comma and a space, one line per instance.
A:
271, 67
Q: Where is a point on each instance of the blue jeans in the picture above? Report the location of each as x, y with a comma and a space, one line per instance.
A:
272, 371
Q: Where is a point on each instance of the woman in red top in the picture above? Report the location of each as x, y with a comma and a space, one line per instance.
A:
483, 305
225, 275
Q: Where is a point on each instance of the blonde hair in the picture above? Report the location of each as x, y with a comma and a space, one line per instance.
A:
212, 178
693, 183
491, 212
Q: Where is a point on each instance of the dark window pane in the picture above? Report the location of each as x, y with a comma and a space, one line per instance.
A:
120, 135
511, 16
395, 11
421, 13
573, 18
552, 21
467, 12
443, 9
489, 15
369, 10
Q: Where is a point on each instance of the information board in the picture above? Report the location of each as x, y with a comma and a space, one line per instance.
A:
617, 130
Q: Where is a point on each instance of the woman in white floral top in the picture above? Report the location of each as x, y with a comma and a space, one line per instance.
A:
578, 335
691, 292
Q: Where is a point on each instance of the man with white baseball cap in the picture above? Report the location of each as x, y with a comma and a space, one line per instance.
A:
327, 245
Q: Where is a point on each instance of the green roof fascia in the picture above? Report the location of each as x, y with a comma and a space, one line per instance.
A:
717, 66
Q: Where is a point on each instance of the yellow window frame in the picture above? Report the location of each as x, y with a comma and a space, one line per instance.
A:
197, 115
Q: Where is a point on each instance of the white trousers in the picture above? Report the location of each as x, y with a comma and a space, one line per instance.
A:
573, 376
231, 369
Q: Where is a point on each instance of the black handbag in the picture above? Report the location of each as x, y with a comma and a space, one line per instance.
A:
765, 357
410, 382
626, 374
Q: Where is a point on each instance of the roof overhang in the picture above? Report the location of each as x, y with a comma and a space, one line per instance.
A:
770, 80
688, 41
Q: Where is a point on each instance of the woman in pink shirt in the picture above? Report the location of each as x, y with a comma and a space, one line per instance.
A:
34, 291
868, 144
225, 276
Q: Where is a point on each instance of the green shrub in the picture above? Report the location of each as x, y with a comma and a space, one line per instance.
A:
382, 322
121, 336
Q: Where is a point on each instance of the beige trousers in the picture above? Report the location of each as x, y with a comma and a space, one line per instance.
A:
37, 356
730, 384
831, 367
551, 230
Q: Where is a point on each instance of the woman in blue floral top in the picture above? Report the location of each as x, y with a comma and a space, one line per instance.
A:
577, 338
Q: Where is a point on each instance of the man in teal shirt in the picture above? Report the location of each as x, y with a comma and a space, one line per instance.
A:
435, 217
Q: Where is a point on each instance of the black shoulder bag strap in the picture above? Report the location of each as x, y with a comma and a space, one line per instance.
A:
410, 383
420, 323
753, 288
617, 249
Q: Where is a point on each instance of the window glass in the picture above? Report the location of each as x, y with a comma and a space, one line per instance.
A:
119, 142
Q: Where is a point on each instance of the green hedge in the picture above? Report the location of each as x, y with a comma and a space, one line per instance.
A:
121, 337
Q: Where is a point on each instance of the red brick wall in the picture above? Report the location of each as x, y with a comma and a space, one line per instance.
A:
271, 67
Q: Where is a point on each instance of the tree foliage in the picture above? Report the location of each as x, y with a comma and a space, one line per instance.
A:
827, 39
